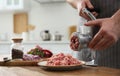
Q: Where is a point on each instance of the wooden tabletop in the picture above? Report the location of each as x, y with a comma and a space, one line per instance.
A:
37, 71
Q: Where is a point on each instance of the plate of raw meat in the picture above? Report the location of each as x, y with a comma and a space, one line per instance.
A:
61, 62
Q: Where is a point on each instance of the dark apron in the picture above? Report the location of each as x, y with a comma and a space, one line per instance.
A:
111, 56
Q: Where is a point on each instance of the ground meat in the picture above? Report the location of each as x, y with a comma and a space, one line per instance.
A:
62, 59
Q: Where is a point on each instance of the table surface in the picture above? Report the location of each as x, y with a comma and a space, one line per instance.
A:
37, 71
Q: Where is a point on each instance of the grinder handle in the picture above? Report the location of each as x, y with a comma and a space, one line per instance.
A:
89, 14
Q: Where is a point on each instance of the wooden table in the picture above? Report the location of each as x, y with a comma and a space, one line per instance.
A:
37, 71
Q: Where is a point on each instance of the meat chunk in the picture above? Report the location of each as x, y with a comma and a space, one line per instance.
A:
62, 59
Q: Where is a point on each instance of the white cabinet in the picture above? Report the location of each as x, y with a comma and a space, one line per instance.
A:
14, 5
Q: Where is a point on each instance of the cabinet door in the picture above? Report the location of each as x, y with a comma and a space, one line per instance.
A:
20, 23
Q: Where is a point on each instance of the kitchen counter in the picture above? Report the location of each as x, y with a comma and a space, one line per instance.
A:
85, 71
54, 46
38, 42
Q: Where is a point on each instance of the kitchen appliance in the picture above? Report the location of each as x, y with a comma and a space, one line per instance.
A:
57, 36
83, 37
3, 36
45, 35
25, 36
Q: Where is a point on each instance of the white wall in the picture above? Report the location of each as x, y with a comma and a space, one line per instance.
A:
6, 24
52, 16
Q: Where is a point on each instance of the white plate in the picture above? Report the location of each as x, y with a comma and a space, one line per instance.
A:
60, 68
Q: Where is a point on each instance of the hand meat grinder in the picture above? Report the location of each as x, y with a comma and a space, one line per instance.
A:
81, 38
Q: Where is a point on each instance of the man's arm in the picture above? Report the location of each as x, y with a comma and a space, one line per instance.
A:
116, 17
80, 4
73, 3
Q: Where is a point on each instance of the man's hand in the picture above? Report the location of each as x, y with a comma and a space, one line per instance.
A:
85, 4
107, 35
80, 4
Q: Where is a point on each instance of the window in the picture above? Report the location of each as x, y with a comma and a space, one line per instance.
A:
9, 2
16, 2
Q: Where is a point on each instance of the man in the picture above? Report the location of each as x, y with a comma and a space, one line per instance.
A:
106, 41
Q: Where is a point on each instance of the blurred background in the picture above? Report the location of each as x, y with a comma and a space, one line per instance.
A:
48, 23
